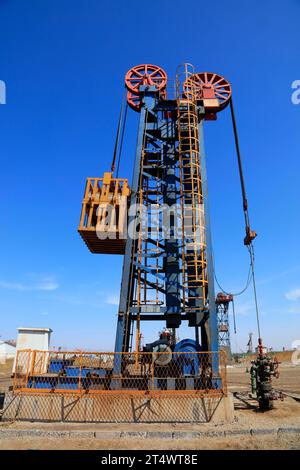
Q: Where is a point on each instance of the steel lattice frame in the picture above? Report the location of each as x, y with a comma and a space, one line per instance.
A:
162, 279
222, 302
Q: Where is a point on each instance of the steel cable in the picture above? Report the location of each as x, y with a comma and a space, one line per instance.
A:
251, 273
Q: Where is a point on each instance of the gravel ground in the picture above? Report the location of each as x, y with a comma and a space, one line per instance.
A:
242, 443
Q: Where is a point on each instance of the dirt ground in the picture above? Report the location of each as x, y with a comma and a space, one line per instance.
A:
240, 443
285, 414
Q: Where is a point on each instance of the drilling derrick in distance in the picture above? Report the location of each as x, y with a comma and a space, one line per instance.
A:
222, 303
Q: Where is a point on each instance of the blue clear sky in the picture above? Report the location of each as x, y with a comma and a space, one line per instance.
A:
63, 62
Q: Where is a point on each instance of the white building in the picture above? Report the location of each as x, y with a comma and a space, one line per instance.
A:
37, 339
7, 351
34, 338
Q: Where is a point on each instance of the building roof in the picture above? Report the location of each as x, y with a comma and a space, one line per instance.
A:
9, 343
48, 330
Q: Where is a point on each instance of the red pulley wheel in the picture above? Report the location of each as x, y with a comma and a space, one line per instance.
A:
134, 101
145, 74
210, 85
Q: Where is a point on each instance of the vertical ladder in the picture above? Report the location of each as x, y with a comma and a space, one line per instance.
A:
194, 263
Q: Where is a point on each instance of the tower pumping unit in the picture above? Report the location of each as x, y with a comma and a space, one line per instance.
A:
161, 222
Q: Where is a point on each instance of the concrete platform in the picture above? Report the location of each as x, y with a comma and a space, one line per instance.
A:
118, 409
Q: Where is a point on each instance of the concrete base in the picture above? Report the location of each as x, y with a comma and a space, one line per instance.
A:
126, 409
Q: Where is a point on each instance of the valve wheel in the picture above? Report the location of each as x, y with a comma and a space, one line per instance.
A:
135, 101
145, 74
209, 82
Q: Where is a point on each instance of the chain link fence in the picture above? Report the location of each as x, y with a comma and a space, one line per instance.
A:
116, 387
81, 372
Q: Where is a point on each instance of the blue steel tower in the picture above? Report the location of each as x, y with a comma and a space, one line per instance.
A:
168, 267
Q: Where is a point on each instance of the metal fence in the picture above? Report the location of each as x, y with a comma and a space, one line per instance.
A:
110, 408
151, 374
120, 388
